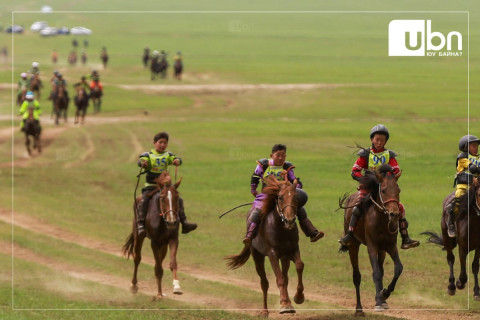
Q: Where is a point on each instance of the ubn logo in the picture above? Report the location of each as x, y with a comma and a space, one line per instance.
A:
409, 38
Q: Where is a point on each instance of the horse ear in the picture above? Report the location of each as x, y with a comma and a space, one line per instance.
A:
178, 183
398, 175
378, 175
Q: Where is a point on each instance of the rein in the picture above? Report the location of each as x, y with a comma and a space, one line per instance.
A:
383, 209
280, 210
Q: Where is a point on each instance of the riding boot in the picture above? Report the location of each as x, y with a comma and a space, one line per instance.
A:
252, 227
186, 226
141, 214
356, 214
307, 226
451, 219
407, 243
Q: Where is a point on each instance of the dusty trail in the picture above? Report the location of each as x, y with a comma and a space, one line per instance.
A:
328, 294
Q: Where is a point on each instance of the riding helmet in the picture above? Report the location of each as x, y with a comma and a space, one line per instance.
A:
29, 95
465, 140
35, 64
23, 75
379, 128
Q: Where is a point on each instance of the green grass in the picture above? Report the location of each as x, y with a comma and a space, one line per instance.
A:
220, 135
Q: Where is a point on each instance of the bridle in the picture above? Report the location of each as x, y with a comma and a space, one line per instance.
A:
280, 211
172, 213
383, 209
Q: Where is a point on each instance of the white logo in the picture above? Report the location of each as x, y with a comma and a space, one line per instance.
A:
413, 38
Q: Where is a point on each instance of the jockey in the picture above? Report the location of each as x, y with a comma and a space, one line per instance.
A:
24, 83
29, 103
155, 162
178, 56
94, 75
468, 166
370, 159
35, 69
83, 84
276, 165
96, 83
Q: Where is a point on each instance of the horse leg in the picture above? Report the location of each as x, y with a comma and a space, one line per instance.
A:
83, 114
357, 276
38, 143
137, 257
299, 297
285, 304
27, 144
397, 271
159, 253
377, 276
77, 115
462, 279
259, 260
475, 268
173, 246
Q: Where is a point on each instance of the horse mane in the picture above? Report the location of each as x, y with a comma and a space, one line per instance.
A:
370, 182
164, 179
466, 200
271, 191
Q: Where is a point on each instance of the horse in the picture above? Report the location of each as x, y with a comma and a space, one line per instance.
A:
96, 96
377, 229
162, 226
278, 239
104, 57
81, 102
178, 69
145, 58
163, 68
158, 67
61, 104
467, 227
32, 128
36, 85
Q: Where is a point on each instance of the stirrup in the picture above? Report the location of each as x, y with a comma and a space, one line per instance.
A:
347, 239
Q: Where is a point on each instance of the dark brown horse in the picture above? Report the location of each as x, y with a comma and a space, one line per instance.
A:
32, 129
467, 227
161, 225
377, 229
178, 69
36, 85
81, 102
96, 97
104, 57
277, 239
60, 104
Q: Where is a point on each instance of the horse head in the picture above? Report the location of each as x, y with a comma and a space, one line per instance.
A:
388, 192
285, 198
168, 199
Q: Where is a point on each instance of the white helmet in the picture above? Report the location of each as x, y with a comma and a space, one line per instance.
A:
23, 75
35, 64
155, 52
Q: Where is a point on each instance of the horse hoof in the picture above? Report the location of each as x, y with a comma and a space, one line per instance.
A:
359, 313
287, 309
133, 289
476, 298
264, 314
299, 298
177, 291
460, 285
378, 308
385, 306
451, 292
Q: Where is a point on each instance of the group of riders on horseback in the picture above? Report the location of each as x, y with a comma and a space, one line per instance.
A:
159, 63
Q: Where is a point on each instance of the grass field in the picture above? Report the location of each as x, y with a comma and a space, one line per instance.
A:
72, 204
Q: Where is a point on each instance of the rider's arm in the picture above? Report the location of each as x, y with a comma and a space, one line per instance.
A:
144, 157
255, 180
172, 157
359, 165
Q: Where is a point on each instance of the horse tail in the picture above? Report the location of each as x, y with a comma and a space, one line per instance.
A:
128, 246
236, 261
342, 200
342, 248
438, 240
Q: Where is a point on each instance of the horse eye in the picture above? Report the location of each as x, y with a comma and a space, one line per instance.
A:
280, 198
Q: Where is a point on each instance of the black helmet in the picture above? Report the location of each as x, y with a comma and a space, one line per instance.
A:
465, 140
59, 75
379, 128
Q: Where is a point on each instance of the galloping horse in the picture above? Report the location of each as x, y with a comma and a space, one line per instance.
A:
377, 229
145, 58
36, 85
96, 96
178, 69
32, 128
81, 102
162, 226
61, 104
468, 229
104, 57
277, 239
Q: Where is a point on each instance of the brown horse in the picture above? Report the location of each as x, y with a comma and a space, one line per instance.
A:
467, 227
278, 240
32, 128
96, 97
81, 102
36, 85
161, 225
178, 69
60, 104
104, 57
377, 229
